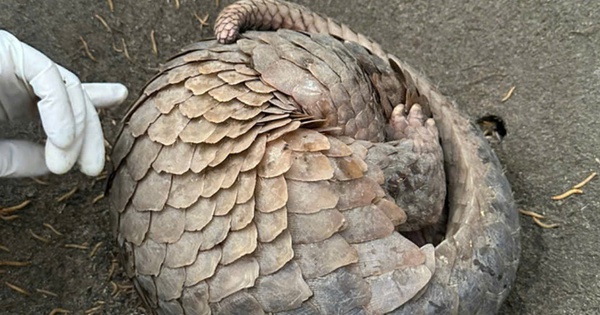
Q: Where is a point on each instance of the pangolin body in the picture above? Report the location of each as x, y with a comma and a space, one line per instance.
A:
272, 175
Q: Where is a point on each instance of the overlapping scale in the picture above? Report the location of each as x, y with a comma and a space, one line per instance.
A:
283, 290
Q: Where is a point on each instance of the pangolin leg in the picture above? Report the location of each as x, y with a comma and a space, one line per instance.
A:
413, 167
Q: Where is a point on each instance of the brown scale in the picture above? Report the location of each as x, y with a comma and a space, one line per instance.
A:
247, 180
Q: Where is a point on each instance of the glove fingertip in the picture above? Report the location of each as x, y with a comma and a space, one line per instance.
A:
92, 168
106, 94
121, 92
58, 161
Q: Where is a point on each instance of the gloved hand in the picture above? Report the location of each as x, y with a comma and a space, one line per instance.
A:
34, 87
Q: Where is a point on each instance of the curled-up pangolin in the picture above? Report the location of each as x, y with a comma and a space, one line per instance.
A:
300, 173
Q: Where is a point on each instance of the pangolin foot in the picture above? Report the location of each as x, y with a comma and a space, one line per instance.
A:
412, 162
414, 125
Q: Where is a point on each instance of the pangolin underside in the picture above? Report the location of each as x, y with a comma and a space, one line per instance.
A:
298, 173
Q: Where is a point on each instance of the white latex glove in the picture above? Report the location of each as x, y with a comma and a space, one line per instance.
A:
33, 87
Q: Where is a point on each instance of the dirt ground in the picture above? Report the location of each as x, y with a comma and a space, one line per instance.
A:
476, 51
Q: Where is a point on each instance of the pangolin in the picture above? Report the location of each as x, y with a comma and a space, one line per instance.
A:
300, 169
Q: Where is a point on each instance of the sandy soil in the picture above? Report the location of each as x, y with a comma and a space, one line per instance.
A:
475, 52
